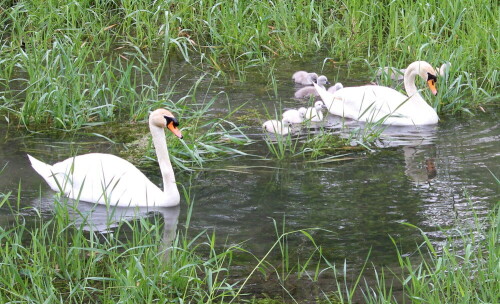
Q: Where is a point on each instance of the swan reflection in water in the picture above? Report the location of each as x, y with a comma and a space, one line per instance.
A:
415, 141
104, 219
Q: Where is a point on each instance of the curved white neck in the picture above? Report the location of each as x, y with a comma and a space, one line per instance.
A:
410, 87
160, 143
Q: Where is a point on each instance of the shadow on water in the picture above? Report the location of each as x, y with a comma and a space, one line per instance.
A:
415, 175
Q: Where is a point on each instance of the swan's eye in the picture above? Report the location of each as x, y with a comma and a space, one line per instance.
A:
171, 119
431, 77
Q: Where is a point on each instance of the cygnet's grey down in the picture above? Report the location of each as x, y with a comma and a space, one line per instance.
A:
295, 116
277, 127
315, 113
304, 78
335, 87
308, 92
443, 70
393, 73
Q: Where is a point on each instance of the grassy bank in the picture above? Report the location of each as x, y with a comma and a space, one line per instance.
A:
148, 258
65, 59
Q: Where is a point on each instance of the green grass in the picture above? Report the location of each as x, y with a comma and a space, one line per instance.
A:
72, 63
57, 260
465, 269
67, 65
145, 259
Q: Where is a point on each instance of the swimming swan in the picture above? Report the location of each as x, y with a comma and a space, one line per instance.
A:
444, 69
304, 78
109, 179
378, 103
307, 92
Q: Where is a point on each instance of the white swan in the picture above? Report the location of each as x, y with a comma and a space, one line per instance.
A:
109, 179
282, 127
335, 87
378, 103
307, 92
304, 78
315, 113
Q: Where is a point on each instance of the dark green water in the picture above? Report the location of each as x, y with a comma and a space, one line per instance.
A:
432, 177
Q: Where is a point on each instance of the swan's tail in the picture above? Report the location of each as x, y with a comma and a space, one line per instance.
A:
45, 171
326, 96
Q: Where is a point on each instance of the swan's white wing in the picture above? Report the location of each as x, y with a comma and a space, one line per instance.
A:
368, 103
103, 179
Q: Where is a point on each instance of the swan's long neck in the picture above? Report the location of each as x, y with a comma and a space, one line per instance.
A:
409, 82
160, 144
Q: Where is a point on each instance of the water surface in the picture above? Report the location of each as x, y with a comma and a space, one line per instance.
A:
433, 177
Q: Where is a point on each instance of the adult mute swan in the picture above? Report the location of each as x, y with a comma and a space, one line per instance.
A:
109, 179
378, 103
307, 92
304, 78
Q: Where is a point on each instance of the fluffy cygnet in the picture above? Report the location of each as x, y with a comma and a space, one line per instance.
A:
277, 127
393, 73
315, 113
304, 78
443, 70
295, 116
308, 92
335, 87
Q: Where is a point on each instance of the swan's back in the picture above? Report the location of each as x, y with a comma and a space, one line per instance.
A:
367, 103
371, 103
100, 178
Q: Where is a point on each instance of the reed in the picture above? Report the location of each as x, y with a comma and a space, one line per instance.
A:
465, 269
81, 58
61, 257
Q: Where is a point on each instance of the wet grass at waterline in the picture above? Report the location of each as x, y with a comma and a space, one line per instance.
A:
463, 269
59, 260
145, 258
79, 62
322, 147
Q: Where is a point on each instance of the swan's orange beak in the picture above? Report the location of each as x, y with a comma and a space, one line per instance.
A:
432, 86
174, 129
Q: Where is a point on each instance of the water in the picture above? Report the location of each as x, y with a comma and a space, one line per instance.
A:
432, 177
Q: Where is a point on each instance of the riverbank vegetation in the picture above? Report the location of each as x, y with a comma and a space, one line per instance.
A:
72, 63
67, 65
61, 257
